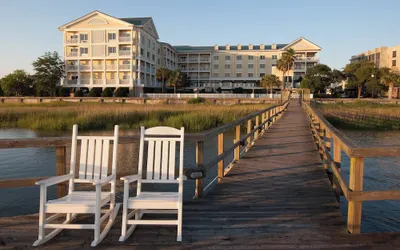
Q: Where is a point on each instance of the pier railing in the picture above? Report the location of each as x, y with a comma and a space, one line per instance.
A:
256, 123
326, 136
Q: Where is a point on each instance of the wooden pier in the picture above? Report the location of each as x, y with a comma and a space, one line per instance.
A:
277, 196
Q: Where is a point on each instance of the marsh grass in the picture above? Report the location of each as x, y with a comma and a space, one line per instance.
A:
362, 115
59, 116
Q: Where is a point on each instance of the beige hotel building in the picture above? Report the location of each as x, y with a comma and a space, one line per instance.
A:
105, 51
382, 57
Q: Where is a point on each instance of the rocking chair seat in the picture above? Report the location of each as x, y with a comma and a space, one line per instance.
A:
85, 200
154, 200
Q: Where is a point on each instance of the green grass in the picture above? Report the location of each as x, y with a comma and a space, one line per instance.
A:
362, 115
59, 116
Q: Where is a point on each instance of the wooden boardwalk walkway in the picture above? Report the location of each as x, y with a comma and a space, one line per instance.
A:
277, 197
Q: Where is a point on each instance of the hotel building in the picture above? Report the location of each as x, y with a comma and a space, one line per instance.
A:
382, 57
105, 51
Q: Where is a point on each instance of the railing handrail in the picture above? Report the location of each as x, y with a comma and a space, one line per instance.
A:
351, 147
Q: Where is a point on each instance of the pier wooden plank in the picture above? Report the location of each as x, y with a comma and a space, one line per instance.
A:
277, 196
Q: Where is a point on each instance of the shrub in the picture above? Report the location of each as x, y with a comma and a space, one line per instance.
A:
78, 93
196, 100
121, 92
63, 92
107, 92
95, 92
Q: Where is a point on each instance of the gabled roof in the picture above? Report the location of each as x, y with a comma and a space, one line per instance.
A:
297, 40
137, 21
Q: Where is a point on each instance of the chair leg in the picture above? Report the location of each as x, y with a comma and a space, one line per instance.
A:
179, 229
112, 215
53, 233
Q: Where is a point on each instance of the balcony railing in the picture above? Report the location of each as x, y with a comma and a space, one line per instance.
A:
72, 67
111, 81
84, 67
85, 81
124, 81
193, 59
111, 66
73, 54
72, 81
98, 81
98, 67
125, 39
124, 67
72, 40
125, 53
183, 60
205, 59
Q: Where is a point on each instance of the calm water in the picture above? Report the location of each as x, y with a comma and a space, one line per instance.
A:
379, 174
36, 162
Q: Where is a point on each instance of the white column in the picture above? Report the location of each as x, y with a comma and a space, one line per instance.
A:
117, 80
104, 72
91, 71
79, 71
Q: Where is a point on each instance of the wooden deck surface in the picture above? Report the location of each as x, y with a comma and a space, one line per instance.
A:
277, 197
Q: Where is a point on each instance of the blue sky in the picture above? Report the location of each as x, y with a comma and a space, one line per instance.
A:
341, 28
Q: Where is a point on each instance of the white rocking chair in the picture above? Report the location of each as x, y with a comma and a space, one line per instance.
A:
160, 169
93, 169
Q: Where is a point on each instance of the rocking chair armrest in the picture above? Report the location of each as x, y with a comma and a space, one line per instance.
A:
131, 178
55, 180
102, 182
184, 178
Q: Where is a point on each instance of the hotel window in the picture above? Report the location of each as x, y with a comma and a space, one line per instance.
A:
148, 55
216, 66
274, 57
262, 66
239, 58
238, 74
262, 74
215, 57
394, 63
227, 74
251, 74
227, 66
112, 50
227, 58
394, 53
84, 51
273, 65
154, 45
112, 36
141, 52
251, 57
238, 66
251, 66
83, 38
142, 39
262, 57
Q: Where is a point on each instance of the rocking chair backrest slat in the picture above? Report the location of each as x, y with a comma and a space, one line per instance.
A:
95, 154
105, 156
161, 152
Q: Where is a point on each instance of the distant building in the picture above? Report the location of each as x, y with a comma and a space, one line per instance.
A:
382, 57
105, 51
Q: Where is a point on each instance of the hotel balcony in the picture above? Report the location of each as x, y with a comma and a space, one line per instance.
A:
98, 81
309, 59
125, 39
125, 67
124, 81
111, 67
181, 60
111, 81
72, 41
193, 59
72, 54
98, 67
85, 81
72, 68
125, 52
297, 69
72, 81
205, 59
84, 67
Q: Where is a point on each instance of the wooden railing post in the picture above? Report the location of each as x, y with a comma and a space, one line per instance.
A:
237, 138
199, 164
220, 151
337, 158
257, 124
248, 131
324, 157
355, 184
61, 169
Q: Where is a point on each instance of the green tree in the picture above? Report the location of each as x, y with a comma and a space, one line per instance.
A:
317, 78
338, 76
389, 79
285, 64
269, 82
358, 74
49, 69
176, 79
107, 92
18, 83
162, 75
95, 92
121, 92
64, 92
78, 93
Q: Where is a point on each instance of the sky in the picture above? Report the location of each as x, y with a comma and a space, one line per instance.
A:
341, 27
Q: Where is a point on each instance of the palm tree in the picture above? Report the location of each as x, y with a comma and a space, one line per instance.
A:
176, 79
269, 82
286, 62
162, 75
389, 79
